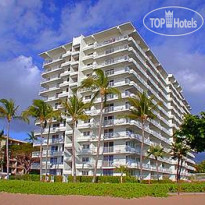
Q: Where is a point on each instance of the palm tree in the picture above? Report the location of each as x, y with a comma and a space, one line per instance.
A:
38, 110
75, 108
121, 169
142, 109
179, 151
156, 151
31, 137
99, 83
8, 111
51, 115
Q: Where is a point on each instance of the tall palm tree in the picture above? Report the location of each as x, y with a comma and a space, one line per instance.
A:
31, 137
99, 83
38, 110
51, 115
8, 110
179, 151
156, 151
142, 110
75, 108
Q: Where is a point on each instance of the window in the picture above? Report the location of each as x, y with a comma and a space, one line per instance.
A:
89, 64
127, 93
127, 80
85, 173
86, 146
107, 172
109, 107
56, 125
110, 50
90, 54
87, 121
53, 160
87, 97
111, 83
108, 133
110, 96
54, 148
85, 159
109, 72
86, 133
127, 105
107, 62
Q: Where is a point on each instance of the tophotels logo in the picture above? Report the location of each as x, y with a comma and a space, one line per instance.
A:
173, 21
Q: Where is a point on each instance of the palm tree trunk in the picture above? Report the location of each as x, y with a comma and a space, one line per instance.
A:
49, 130
73, 153
180, 168
141, 152
178, 161
7, 150
121, 177
41, 153
99, 138
157, 167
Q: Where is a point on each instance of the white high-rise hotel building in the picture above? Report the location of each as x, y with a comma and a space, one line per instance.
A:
131, 67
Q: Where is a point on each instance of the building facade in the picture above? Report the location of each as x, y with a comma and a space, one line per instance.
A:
14, 166
131, 67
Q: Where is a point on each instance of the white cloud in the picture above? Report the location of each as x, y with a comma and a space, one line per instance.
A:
19, 80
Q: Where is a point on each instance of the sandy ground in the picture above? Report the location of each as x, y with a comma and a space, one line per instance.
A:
23, 199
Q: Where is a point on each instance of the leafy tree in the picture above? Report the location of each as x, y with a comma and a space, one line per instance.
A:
23, 155
179, 151
122, 170
192, 131
8, 111
157, 152
142, 110
200, 168
99, 83
75, 108
39, 111
31, 137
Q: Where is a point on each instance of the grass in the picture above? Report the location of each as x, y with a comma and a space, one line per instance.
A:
126, 190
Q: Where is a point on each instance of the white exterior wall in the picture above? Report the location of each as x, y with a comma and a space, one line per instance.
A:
135, 69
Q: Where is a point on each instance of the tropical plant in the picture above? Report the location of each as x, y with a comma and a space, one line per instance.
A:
200, 168
157, 152
99, 83
192, 131
122, 170
22, 153
75, 109
39, 111
179, 151
142, 110
8, 111
31, 137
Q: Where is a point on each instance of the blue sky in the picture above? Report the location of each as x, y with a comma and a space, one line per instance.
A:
29, 27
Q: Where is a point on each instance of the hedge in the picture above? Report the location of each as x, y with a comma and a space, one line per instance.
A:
126, 190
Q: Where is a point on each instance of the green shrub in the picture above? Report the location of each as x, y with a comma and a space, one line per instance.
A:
163, 181
25, 177
103, 179
125, 190
58, 178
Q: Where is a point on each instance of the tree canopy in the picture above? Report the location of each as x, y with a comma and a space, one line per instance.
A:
193, 131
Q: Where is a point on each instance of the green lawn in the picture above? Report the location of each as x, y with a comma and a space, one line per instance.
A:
126, 190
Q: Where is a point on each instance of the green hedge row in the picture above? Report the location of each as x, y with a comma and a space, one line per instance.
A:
126, 190
88, 179
34, 177
103, 179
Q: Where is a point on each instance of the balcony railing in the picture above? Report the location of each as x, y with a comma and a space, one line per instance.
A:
108, 122
108, 149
